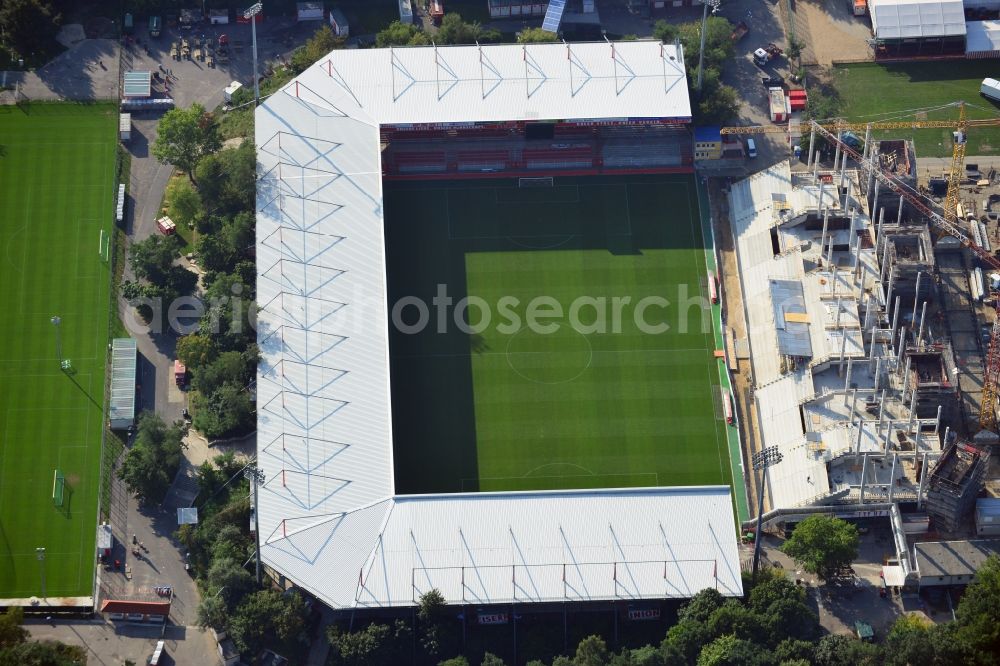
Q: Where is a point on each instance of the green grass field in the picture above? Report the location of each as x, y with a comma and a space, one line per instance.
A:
509, 406
875, 92
56, 193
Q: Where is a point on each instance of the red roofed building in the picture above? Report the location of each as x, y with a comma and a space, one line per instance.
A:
136, 611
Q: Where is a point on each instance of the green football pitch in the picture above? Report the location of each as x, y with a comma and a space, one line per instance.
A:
596, 393
57, 192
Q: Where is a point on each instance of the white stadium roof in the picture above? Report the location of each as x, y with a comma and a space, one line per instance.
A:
328, 513
910, 19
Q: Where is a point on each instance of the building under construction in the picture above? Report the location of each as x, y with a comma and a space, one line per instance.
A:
954, 484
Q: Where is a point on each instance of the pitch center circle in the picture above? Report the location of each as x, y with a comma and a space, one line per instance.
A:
549, 358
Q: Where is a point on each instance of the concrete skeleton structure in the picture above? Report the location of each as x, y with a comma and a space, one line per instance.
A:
834, 380
329, 516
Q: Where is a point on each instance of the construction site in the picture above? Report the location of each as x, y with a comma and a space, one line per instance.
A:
869, 378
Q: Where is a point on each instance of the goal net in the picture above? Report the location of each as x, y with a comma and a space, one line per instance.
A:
539, 181
58, 487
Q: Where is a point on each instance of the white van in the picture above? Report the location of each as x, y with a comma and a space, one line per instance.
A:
154, 660
751, 149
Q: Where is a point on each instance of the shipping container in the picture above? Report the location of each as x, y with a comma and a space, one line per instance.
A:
860, 7
778, 104
166, 226
180, 373
990, 89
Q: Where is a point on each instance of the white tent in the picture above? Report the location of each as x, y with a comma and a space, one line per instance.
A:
983, 40
915, 19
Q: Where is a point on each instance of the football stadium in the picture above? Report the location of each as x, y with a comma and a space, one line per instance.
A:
57, 192
489, 346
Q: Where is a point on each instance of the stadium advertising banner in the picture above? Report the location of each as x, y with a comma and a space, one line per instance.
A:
493, 618
619, 122
644, 613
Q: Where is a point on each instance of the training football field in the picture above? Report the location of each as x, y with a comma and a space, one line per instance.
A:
57, 192
611, 383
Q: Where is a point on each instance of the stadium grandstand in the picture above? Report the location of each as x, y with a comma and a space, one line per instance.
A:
330, 518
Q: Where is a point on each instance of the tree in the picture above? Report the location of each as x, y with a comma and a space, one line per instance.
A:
185, 205
27, 24
399, 34
321, 43
358, 648
978, 613
43, 653
150, 465
264, 618
184, 136
822, 545
431, 606
11, 631
794, 51
196, 350
591, 651
909, 641
536, 36
718, 104
152, 260
227, 411
230, 544
729, 650
212, 612
454, 30
454, 661
490, 659
841, 650
227, 180
647, 655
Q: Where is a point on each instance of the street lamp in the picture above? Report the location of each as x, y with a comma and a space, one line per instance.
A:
40, 554
250, 13
761, 461
256, 476
55, 322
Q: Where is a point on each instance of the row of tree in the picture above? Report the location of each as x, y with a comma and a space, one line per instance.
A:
222, 354
219, 548
17, 650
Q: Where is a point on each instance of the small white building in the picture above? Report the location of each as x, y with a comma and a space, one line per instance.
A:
124, 127
308, 11
230, 90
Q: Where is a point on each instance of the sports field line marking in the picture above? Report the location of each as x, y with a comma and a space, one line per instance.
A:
655, 476
43, 360
595, 351
708, 366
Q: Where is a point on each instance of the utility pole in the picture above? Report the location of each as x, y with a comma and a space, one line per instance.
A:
765, 458
40, 553
55, 322
251, 13
256, 477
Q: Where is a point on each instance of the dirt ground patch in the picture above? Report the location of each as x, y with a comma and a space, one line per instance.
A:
831, 32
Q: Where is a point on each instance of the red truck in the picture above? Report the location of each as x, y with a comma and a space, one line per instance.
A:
180, 373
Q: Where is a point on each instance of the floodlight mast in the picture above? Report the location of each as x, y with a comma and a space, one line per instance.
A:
256, 477
763, 459
251, 13
56, 320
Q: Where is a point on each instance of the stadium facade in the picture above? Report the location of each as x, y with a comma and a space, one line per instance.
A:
330, 520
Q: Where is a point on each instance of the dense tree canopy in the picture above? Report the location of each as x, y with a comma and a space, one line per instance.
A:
184, 137
823, 545
151, 463
267, 618
26, 24
401, 34
321, 43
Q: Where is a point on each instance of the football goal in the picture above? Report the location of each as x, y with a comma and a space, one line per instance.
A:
58, 487
538, 181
